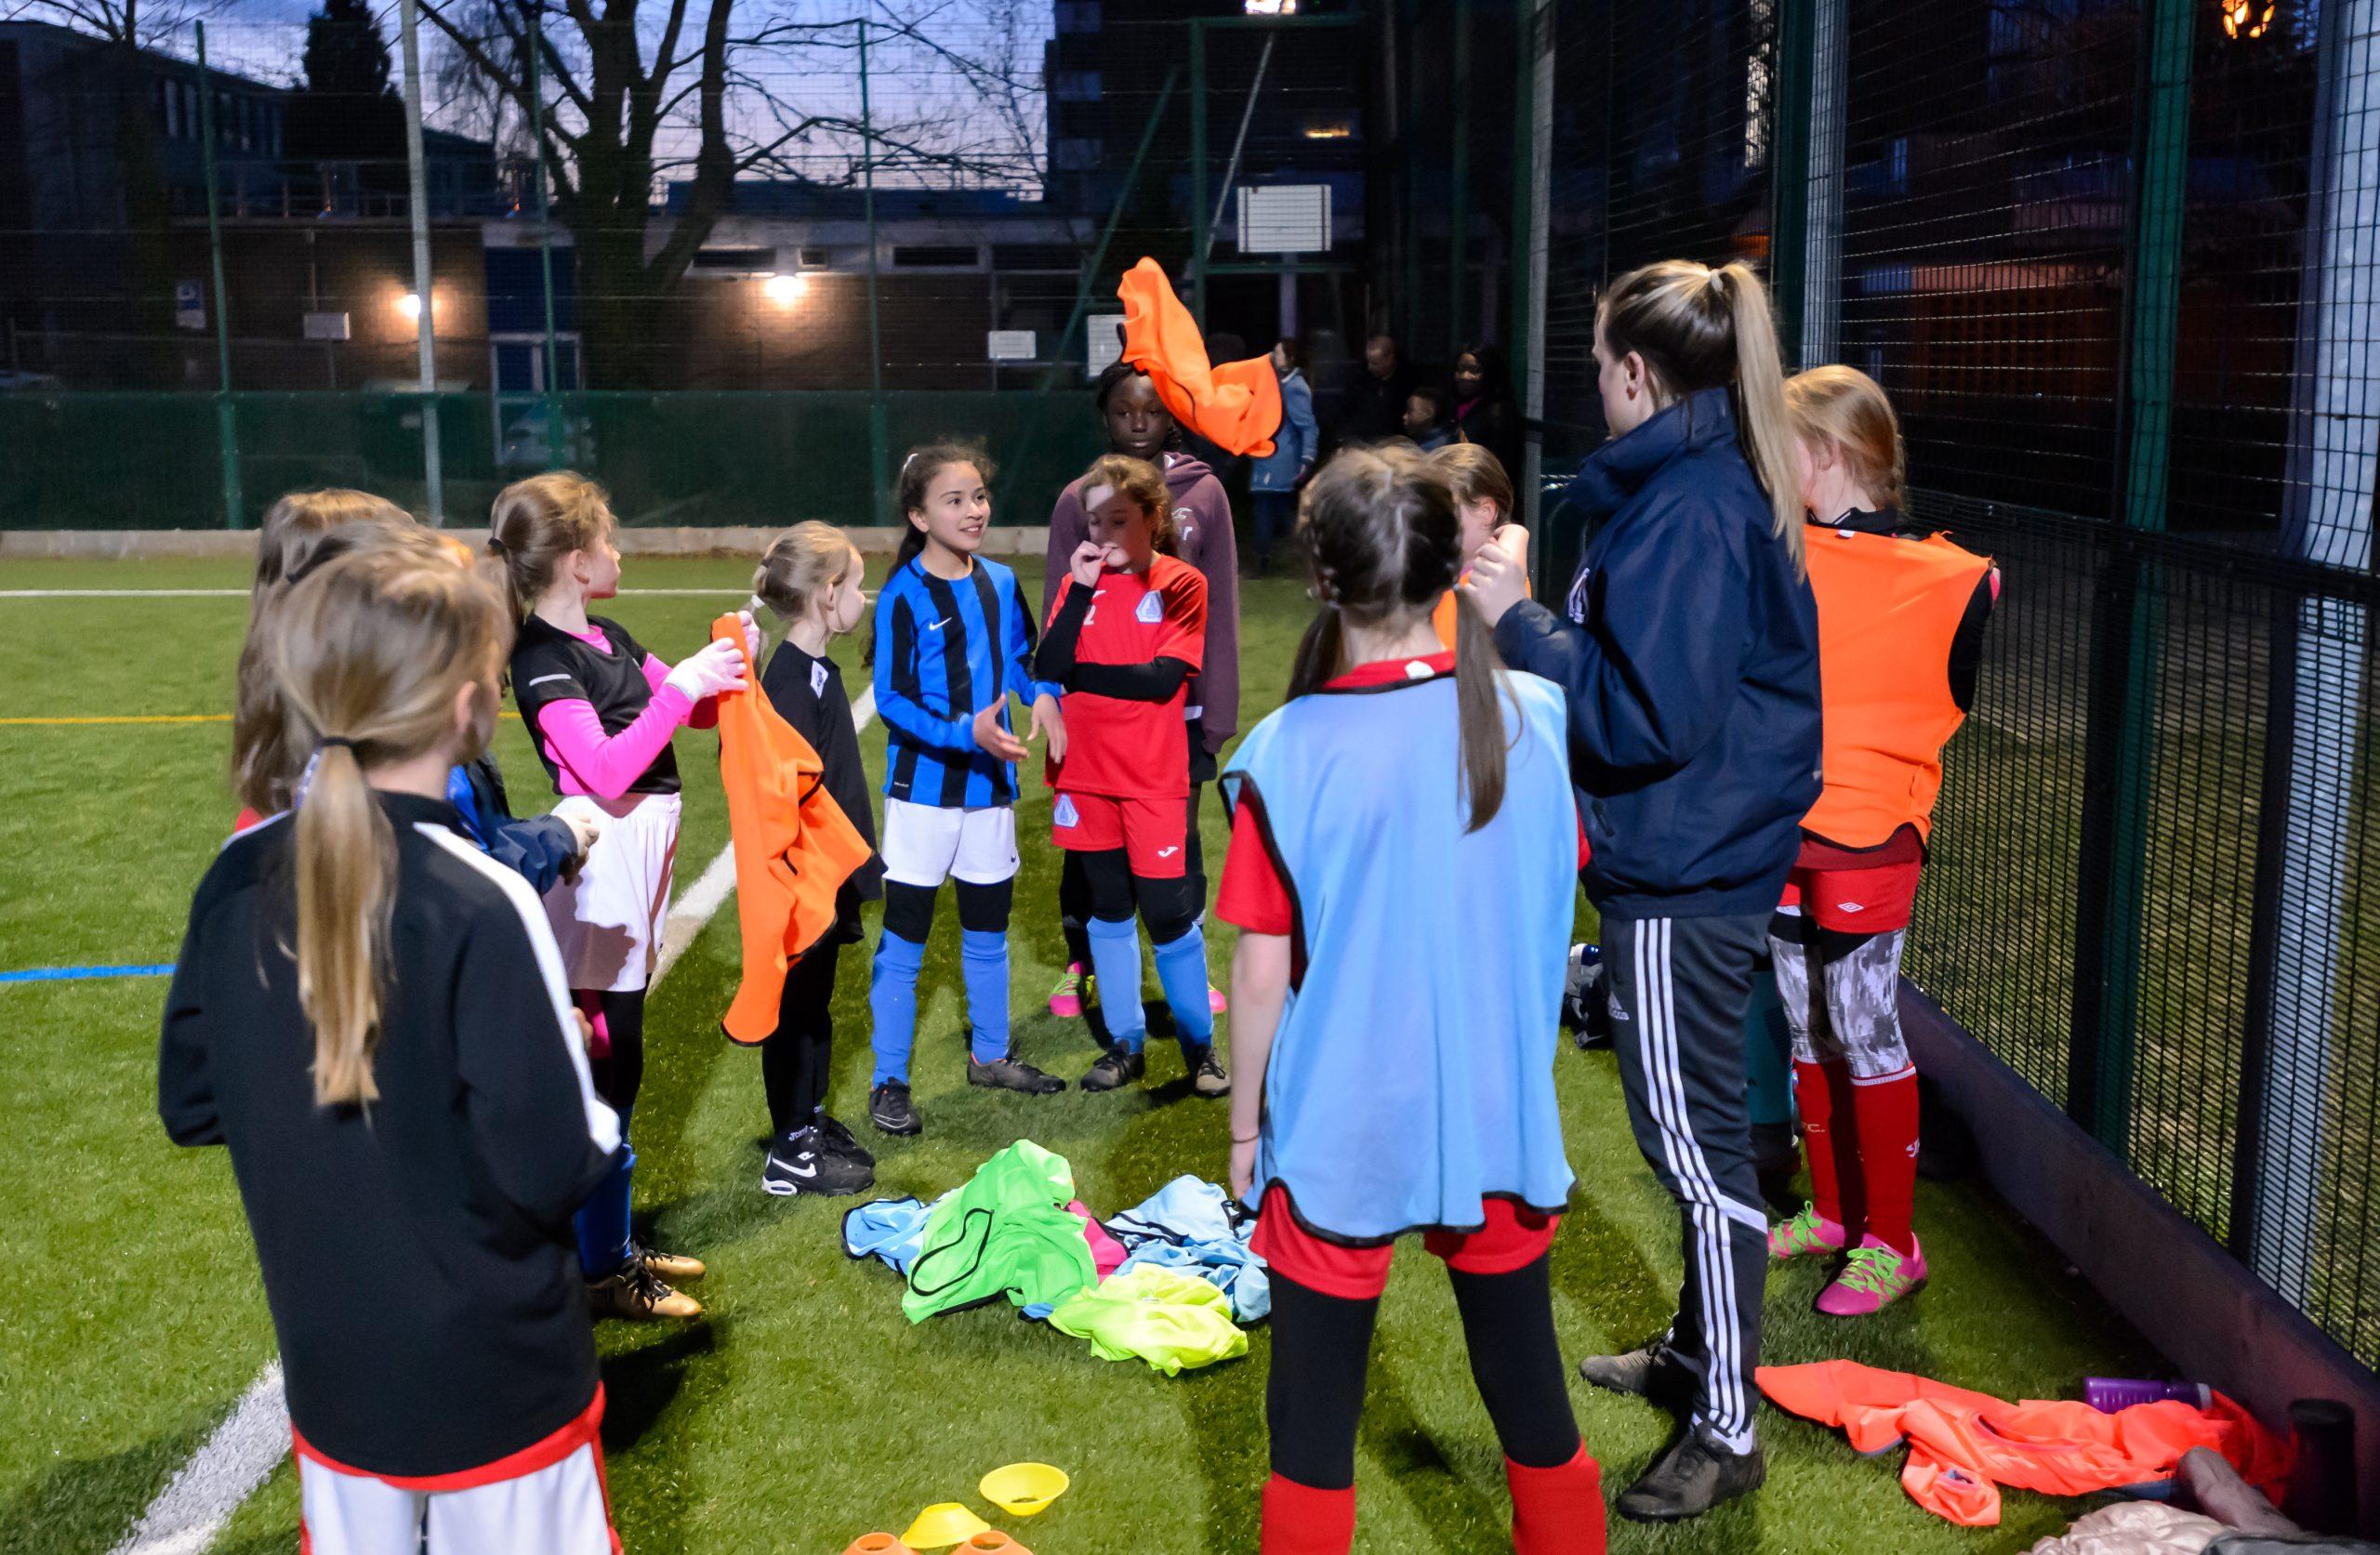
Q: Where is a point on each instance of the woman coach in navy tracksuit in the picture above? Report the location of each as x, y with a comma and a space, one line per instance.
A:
1690, 656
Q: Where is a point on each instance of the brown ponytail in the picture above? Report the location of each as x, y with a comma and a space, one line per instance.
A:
369, 652
1383, 542
1699, 328
538, 521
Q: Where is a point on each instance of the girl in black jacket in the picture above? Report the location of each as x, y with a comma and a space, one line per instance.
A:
1689, 650
369, 1012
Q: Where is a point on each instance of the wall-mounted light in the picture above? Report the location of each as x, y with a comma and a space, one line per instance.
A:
409, 307
784, 290
1328, 129
2245, 18
1270, 7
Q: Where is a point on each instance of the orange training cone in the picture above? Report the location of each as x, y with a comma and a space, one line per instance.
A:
995, 1543
876, 1544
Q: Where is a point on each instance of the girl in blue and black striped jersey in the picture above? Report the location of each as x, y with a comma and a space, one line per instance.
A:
953, 640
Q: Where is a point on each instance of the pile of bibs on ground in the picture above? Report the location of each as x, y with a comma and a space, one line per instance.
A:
1168, 1282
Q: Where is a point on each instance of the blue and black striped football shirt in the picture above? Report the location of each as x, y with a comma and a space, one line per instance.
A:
943, 649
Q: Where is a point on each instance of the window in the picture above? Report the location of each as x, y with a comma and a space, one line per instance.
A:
1079, 154
816, 258
735, 261
946, 256
1059, 256
1076, 86
1077, 16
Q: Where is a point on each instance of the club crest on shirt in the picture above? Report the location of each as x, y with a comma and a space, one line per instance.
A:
1150, 610
819, 680
1064, 813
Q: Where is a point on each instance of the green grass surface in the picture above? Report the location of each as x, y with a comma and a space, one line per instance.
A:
806, 1410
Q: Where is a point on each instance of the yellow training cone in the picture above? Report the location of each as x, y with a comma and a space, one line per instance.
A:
1023, 1489
943, 1524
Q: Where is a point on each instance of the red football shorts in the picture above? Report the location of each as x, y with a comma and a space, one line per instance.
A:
1151, 832
1514, 1237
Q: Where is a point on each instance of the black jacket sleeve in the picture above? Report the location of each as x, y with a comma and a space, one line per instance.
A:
1153, 681
185, 1084
526, 1091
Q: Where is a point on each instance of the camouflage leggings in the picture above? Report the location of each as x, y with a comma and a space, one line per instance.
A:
1857, 1020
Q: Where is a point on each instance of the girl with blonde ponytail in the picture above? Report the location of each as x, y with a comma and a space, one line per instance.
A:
1688, 645
369, 1012
1405, 796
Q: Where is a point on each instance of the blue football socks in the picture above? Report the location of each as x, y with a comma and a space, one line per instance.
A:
1182, 969
602, 1220
893, 1002
1116, 960
983, 962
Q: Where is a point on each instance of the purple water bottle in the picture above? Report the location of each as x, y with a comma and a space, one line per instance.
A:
2110, 1394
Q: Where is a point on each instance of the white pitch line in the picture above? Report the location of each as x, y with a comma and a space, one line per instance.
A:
242, 593
190, 1512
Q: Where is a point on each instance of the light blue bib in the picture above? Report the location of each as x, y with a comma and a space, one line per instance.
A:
1412, 1074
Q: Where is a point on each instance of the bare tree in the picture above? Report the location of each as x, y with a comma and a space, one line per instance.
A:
639, 91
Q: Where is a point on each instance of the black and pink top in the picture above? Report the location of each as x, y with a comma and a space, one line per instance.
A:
596, 704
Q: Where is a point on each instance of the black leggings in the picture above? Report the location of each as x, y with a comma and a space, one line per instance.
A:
1076, 908
796, 1057
619, 1074
909, 910
1321, 1348
1117, 893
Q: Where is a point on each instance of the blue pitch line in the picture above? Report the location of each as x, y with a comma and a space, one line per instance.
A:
62, 974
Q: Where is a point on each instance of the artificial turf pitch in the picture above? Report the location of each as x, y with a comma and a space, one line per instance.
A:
805, 1410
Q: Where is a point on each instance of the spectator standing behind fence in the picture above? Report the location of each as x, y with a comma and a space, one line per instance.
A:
1901, 612
1376, 402
1688, 645
1273, 481
1484, 412
1138, 427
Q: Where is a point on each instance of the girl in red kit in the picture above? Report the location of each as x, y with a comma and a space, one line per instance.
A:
1126, 636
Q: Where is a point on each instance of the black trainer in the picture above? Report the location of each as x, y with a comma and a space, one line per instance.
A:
839, 1139
1011, 1072
807, 1163
1654, 1372
1694, 1475
1114, 1068
888, 1108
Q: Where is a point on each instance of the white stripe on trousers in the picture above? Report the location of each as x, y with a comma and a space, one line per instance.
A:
1707, 1211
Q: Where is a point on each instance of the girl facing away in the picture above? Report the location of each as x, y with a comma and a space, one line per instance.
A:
1901, 613
810, 580
1689, 647
369, 1013
1396, 1064
601, 711
1126, 636
954, 641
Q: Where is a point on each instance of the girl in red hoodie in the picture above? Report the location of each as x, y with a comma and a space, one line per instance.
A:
1138, 427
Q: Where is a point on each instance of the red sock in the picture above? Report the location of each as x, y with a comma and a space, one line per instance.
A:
1815, 1088
1886, 1164
1557, 1511
1300, 1520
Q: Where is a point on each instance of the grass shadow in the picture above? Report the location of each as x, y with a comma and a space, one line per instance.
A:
89, 1503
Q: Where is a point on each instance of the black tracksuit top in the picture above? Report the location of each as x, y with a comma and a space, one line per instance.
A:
416, 1253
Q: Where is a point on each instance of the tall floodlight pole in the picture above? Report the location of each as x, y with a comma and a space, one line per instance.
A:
425, 323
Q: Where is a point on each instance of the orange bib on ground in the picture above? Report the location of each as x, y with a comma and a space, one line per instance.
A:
794, 847
1889, 611
1964, 1446
1236, 406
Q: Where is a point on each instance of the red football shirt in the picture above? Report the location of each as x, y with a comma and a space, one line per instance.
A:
1121, 748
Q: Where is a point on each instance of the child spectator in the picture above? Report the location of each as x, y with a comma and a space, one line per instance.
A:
1404, 796
1125, 637
1483, 502
369, 1014
953, 640
1425, 418
1901, 612
1274, 479
810, 581
1138, 427
601, 711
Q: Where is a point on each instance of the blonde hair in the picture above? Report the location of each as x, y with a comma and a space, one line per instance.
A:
1845, 409
807, 560
1700, 328
538, 521
297, 529
1475, 474
369, 652
1144, 483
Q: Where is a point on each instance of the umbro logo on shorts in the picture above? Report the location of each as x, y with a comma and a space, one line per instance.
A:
1064, 814
1150, 610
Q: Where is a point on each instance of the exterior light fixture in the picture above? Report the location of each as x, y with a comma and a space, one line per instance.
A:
2245, 18
409, 307
782, 289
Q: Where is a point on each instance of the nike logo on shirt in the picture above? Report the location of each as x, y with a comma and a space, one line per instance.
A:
939, 624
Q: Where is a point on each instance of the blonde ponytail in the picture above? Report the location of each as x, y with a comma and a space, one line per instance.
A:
1760, 401
370, 654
